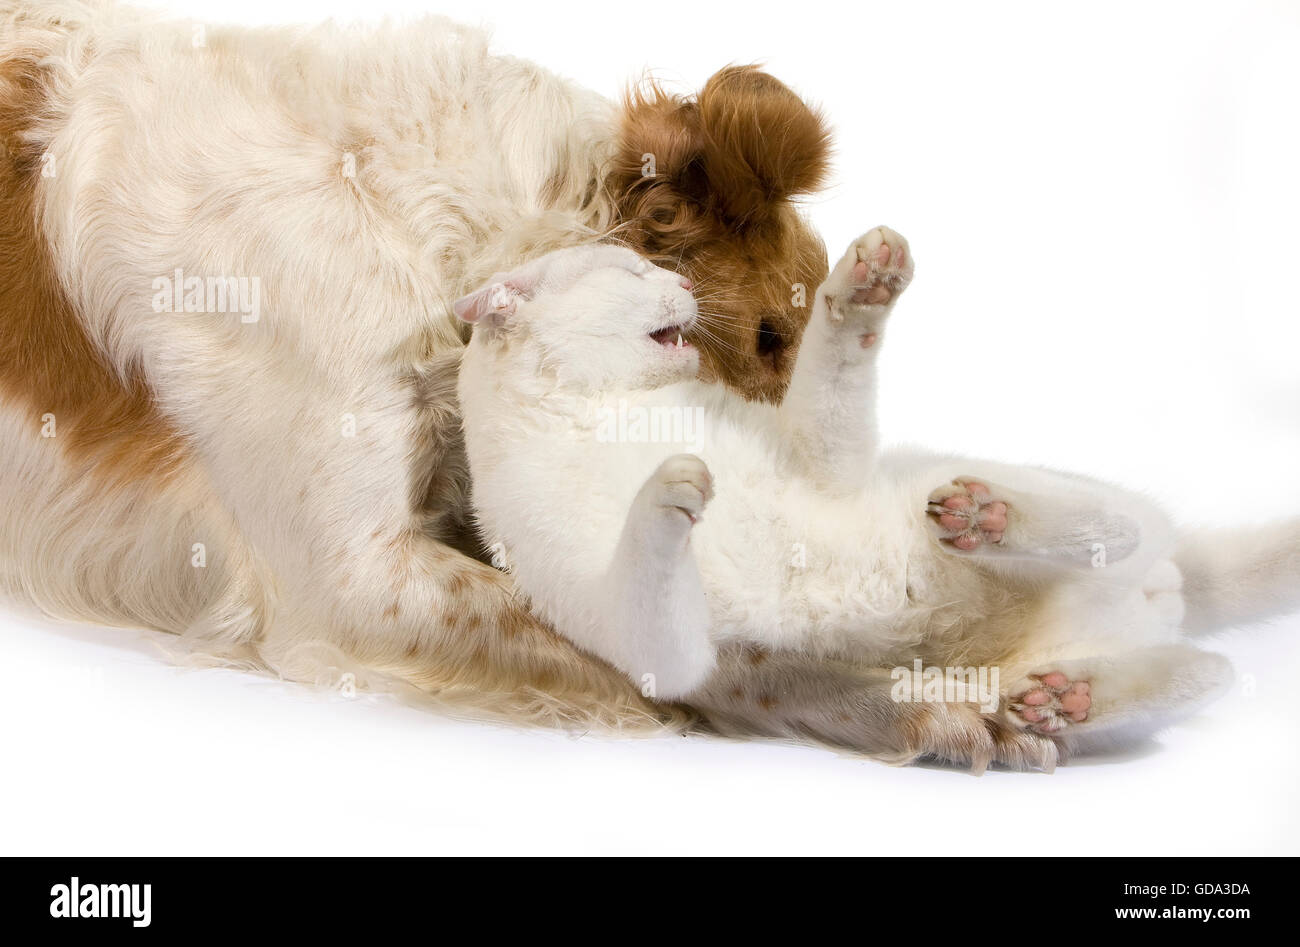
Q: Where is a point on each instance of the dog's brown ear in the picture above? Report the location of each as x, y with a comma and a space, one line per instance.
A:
657, 175
735, 152
763, 144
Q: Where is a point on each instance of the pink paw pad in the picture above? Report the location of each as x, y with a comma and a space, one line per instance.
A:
968, 515
1053, 702
879, 275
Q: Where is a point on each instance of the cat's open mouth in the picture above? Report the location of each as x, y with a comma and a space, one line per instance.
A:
672, 336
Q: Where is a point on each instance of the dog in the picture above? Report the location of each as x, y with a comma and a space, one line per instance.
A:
228, 357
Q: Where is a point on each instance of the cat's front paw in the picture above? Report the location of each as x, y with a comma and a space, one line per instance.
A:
683, 484
867, 281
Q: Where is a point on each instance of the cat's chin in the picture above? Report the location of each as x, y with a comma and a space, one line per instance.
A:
682, 365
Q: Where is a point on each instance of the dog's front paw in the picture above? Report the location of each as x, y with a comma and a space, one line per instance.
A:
866, 282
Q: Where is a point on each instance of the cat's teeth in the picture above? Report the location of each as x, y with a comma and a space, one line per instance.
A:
679, 340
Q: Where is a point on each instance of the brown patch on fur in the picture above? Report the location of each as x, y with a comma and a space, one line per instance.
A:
397, 553
46, 359
718, 209
392, 611
516, 622
458, 583
767, 702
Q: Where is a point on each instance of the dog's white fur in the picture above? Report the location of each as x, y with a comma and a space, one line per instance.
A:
785, 530
299, 429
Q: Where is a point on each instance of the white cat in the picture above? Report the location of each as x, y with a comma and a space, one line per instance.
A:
785, 529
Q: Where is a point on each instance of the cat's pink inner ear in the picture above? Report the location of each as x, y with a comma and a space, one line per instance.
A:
492, 303
523, 282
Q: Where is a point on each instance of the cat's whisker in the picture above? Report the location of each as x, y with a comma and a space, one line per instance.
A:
704, 332
723, 321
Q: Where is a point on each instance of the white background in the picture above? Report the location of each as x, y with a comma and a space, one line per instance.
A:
1103, 206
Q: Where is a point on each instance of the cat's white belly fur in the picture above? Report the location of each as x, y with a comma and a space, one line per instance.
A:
782, 565
786, 567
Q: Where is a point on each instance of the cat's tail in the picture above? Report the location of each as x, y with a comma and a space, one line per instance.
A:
1239, 575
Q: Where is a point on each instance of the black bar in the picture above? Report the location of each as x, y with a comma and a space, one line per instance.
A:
434, 898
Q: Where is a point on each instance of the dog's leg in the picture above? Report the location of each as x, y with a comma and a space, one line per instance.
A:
794, 697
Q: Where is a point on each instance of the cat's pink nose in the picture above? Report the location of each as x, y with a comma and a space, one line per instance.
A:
687, 284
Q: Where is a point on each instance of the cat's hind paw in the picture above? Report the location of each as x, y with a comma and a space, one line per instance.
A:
1048, 703
966, 515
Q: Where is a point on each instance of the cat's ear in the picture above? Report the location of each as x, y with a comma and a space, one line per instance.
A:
496, 302
491, 305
